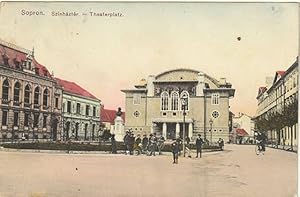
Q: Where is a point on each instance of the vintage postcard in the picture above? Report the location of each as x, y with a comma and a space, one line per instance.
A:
149, 99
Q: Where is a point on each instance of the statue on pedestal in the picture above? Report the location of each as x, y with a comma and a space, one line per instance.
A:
119, 112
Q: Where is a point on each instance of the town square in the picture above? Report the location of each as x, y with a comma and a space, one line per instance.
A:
149, 99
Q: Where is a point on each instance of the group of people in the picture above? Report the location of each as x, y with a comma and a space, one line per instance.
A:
177, 144
146, 145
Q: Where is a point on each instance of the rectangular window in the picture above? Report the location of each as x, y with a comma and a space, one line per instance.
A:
94, 111
26, 120
4, 118
69, 107
137, 99
87, 110
78, 108
215, 99
16, 118
36, 120
45, 121
56, 102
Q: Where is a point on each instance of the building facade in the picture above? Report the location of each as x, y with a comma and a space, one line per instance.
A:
30, 97
80, 112
156, 105
245, 122
277, 109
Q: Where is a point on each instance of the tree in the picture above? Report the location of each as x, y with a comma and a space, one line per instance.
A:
290, 116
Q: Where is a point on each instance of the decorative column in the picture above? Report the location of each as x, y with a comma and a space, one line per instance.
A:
1, 84
164, 130
177, 130
190, 130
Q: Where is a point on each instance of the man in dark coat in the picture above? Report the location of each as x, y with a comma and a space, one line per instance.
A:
113, 144
126, 139
175, 151
137, 144
199, 143
145, 142
131, 143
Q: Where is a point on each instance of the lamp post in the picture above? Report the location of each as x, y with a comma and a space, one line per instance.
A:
210, 123
183, 104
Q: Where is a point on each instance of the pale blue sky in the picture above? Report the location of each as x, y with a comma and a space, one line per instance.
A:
105, 55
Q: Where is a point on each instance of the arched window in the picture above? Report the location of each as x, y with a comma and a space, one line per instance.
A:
164, 101
17, 93
86, 131
36, 95
5, 88
27, 95
45, 98
185, 94
215, 99
174, 101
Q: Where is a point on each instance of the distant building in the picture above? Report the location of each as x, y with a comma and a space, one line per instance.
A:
244, 122
108, 117
156, 105
274, 100
81, 113
112, 123
30, 96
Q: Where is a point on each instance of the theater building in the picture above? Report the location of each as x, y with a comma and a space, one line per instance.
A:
81, 113
155, 105
30, 98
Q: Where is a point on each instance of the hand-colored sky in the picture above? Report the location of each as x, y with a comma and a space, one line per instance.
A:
106, 54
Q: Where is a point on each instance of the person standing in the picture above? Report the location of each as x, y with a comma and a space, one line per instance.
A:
153, 144
199, 143
145, 142
131, 143
137, 144
160, 144
175, 151
221, 143
113, 144
126, 140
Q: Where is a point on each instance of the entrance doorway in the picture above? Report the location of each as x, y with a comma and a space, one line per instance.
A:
171, 130
186, 130
54, 129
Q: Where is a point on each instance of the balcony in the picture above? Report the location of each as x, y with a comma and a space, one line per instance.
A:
5, 101
27, 105
45, 107
16, 103
36, 106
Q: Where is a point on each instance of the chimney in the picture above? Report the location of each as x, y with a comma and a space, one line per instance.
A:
223, 81
269, 82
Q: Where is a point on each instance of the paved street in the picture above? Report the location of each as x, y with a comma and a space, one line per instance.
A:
235, 172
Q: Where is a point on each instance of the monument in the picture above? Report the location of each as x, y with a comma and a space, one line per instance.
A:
118, 127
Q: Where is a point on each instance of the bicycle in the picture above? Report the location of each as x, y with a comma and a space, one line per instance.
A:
259, 148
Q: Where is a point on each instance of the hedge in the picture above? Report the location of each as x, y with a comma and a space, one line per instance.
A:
82, 146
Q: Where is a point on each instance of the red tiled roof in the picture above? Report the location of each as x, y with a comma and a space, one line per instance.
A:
281, 73
241, 132
14, 56
74, 88
109, 115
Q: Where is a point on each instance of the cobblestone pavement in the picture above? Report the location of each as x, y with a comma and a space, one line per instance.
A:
235, 172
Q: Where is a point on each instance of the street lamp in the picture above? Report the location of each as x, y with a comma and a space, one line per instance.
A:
183, 104
210, 123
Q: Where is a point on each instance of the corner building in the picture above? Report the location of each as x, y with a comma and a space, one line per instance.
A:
30, 98
155, 105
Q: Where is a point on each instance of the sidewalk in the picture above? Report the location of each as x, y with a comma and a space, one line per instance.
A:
281, 147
